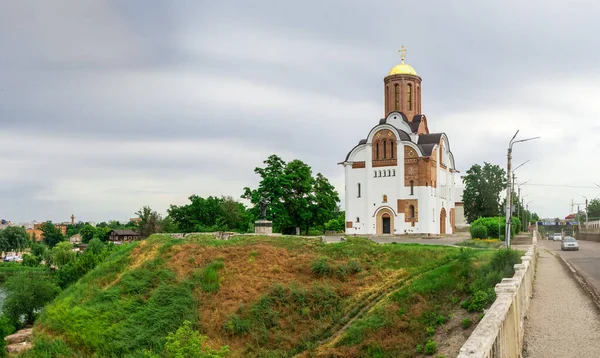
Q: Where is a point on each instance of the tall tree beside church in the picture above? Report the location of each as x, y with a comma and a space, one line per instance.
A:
326, 199
296, 198
483, 186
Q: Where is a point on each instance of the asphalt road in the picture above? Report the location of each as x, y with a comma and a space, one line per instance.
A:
586, 260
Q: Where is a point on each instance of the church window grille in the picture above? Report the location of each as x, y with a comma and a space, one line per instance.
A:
396, 97
409, 96
358, 187
384, 150
412, 187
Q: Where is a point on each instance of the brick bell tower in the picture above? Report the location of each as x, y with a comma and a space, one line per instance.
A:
403, 89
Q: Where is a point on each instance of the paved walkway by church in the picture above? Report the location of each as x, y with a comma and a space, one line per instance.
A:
562, 321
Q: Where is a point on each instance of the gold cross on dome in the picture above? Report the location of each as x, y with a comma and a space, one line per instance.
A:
402, 53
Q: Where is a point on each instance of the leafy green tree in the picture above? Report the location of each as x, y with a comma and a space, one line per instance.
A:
13, 238
594, 209
62, 254
150, 222
52, 235
209, 214
95, 246
325, 204
87, 233
189, 343
31, 260
483, 186
39, 249
298, 199
26, 293
272, 187
295, 197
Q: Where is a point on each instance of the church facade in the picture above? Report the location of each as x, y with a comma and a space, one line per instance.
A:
401, 178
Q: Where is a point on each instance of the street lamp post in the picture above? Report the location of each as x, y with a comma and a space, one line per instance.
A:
508, 185
527, 209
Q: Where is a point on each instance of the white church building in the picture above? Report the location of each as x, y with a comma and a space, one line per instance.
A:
401, 178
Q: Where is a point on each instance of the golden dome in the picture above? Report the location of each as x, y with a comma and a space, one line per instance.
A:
403, 69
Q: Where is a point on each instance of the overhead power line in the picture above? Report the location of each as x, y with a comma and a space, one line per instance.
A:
563, 186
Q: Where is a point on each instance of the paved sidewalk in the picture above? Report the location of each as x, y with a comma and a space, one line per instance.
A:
562, 322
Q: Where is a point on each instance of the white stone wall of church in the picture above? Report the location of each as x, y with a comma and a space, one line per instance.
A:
364, 208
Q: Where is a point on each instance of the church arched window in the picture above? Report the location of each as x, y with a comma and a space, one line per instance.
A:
409, 96
392, 148
377, 150
411, 211
412, 187
396, 96
384, 150
394, 172
358, 189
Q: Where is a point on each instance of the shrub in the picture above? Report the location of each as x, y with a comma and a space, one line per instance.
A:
504, 260
187, 342
495, 225
209, 278
430, 347
321, 267
235, 325
481, 299
479, 232
466, 323
419, 348
31, 260
430, 331
6, 328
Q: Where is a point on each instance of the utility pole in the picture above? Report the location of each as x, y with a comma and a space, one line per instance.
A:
508, 185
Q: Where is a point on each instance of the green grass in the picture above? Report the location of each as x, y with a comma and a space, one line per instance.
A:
8, 269
133, 300
426, 301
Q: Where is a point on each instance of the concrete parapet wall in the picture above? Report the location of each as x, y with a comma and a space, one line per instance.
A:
589, 234
500, 333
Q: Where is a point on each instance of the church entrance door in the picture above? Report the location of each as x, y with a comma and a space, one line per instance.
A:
443, 221
387, 227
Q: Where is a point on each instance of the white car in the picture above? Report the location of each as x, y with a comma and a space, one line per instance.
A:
557, 236
569, 243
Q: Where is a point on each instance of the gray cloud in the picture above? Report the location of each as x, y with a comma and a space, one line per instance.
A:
108, 106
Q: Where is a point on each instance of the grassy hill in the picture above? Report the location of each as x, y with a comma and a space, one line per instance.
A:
262, 296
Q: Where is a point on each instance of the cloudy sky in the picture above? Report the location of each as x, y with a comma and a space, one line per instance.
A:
106, 106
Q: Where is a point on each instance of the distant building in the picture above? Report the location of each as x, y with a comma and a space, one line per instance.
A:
36, 234
75, 239
123, 235
62, 227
